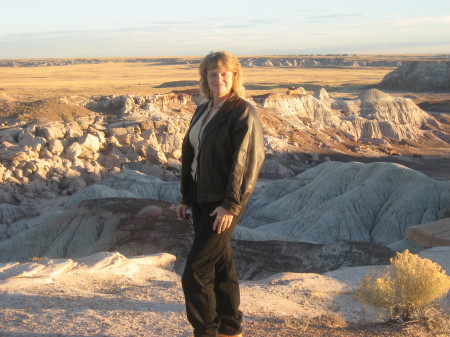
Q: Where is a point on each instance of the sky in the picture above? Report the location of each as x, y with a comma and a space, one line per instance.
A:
112, 28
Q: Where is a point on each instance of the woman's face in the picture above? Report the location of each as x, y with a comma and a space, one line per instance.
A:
220, 81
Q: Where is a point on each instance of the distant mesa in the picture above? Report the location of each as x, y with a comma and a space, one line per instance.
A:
252, 61
419, 76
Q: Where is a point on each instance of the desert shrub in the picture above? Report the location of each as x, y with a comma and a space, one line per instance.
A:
437, 320
407, 285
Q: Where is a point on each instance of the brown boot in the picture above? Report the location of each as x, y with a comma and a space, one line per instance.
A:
222, 335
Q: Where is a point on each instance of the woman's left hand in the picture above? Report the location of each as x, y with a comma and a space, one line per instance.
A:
223, 219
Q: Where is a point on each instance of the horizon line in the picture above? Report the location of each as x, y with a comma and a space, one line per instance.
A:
237, 55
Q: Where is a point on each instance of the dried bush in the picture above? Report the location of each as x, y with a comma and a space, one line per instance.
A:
437, 321
407, 285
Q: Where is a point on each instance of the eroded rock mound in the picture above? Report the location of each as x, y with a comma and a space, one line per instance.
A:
347, 201
299, 110
49, 109
382, 116
419, 76
329, 203
373, 118
128, 104
260, 259
79, 148
142, 226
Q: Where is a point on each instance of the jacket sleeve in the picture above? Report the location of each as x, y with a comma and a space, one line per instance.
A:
248, 157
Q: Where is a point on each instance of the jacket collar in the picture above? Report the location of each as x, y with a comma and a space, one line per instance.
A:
219, 117
225, 109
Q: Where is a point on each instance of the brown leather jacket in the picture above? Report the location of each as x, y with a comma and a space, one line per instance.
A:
231, 153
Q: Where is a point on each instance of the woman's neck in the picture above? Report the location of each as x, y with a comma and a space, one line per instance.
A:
218, 100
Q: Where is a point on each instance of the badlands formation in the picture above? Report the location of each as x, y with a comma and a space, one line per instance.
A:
345, 184
419, 76
76, 143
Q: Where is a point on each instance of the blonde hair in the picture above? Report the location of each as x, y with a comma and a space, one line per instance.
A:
216, 60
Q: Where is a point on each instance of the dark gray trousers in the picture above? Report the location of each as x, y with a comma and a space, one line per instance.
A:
210, 283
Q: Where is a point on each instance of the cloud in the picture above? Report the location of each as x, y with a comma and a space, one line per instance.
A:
404, 47
266, 21
39, 35
334, 16
413, 21
327, 31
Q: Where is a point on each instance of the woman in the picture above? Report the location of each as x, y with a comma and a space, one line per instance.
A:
222, 154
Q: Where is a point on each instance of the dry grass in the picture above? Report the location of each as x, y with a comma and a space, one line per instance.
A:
263, 80
32, 83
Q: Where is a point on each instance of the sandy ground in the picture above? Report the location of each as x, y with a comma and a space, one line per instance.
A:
109, 295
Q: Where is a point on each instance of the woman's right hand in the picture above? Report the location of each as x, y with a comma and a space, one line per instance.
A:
182, 212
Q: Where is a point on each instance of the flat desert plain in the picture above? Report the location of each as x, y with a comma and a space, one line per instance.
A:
150, 76
119, 77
